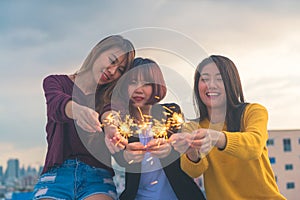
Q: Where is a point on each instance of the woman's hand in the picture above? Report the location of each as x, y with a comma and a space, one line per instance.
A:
181, 142
86, 118
198, 143
134, 152
205, 139
113, 140
159, 147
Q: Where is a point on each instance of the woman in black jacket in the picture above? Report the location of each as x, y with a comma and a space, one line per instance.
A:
152, 166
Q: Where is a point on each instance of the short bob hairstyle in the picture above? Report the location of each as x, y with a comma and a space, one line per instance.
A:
144, 71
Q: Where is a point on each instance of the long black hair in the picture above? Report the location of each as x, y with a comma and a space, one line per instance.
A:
233, 88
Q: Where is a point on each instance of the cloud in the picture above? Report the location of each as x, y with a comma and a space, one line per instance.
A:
54, 37
280, 95
237, 26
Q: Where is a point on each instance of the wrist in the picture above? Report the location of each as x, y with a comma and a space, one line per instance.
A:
193, 156
125, 156
221, 141
69, 109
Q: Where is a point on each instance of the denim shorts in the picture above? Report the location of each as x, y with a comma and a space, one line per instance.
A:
74, 180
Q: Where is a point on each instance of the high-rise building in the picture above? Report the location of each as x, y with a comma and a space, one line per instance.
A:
12, 170
284, 154
1, 175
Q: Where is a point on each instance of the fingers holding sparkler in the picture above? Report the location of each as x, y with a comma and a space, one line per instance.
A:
134, 152
113, 139
181, 142
205, 140
159, 147
110, 145
187, 143
85, 117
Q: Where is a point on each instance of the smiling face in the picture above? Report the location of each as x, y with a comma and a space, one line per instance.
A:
211, 87
109, 66
139, 92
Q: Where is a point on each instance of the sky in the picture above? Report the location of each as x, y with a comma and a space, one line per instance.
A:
39, 38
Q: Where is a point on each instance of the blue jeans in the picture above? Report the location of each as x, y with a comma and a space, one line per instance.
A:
74, 180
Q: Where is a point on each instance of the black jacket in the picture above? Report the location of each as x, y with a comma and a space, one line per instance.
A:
183, 185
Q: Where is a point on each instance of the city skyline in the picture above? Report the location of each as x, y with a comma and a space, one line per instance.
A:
42, 38
21, 166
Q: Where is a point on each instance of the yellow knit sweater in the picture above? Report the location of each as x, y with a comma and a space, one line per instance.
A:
242, 170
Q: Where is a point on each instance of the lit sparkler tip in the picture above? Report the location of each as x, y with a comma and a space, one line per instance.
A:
140, 111
165, 107
156, 97
118, 142
158, 128
166, 113
147, 116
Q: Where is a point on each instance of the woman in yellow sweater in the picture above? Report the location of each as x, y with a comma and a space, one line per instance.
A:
228, 141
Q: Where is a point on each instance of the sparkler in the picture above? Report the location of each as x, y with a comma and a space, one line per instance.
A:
156, 128
124, 127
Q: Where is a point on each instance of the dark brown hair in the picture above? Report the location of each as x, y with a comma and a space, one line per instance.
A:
232, 84
143, 69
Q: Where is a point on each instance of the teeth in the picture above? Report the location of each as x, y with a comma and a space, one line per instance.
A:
212, 94
106, 76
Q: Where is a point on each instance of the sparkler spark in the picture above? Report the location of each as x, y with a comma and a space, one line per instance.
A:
159, 128
140, 111
124, 127
165, 107
154, 127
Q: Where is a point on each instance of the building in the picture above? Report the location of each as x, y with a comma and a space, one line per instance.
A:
284, 154
1, 175
12, 171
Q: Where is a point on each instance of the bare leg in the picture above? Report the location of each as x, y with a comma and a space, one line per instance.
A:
99, 197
